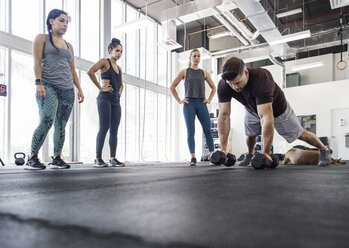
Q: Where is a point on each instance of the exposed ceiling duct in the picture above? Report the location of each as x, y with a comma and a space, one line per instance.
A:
239, 25
260, 19
194, 10
185, 13
232, 29
338, 3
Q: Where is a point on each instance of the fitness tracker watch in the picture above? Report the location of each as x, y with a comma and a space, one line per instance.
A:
38, 81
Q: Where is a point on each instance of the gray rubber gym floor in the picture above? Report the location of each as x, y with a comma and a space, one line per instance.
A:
174, 205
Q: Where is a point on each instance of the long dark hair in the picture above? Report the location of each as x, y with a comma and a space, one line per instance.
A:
53, 14
114, 43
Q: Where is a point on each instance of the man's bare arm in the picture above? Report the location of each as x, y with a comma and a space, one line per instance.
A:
224, 124
265, 112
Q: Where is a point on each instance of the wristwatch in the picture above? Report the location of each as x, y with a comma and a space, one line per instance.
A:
38, 81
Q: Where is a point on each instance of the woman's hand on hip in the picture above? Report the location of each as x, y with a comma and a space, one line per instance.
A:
206, 101
107, 88
184, 101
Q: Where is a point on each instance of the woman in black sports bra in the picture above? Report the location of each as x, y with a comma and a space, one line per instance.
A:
108, 102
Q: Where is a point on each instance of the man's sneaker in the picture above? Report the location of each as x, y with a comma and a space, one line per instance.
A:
115, 163
325, 158
58, 163
247, 160
193, 162
99, 163
34, 163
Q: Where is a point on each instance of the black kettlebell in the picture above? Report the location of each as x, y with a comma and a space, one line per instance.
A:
19, 160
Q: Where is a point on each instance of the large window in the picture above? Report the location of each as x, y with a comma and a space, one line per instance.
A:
162, 56
26, 18
149, 130
163, 127
70, 36
117, 18
131, 44
90, 30
3, 14
3, 59
147, 49
132, 120
116, 13
24, 109
89, 120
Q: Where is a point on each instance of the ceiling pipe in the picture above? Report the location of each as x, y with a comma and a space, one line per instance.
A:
259, 18
232, 29
313, 18
200, 31
232, 51
239, 25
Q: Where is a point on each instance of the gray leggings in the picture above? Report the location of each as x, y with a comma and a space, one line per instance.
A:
55, 108
109, 119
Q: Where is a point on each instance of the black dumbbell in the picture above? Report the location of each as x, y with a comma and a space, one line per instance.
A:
218, 158
260, 161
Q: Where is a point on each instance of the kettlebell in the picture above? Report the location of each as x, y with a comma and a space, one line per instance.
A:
19, 160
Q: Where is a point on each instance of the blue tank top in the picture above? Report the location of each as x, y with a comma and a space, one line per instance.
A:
115, 83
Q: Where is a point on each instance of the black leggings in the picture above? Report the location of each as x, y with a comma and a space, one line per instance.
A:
109, 118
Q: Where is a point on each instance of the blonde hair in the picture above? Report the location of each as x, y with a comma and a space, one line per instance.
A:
194, 50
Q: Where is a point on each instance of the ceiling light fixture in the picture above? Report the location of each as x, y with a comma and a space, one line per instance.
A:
307, 66
338, 3
291, 37
144, 21
219, 35
288, 13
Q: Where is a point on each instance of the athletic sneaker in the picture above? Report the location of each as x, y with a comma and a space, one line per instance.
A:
34, 163
325, 158
193, 162
246, 160
99, 163
115, 163
58, 163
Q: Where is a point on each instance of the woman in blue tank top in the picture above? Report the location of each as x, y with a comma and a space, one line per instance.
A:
108, 102
195, 101
55, 75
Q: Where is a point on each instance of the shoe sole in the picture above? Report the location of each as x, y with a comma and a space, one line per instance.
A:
116, 165
243, 164
100, 166
56, 167
33, 168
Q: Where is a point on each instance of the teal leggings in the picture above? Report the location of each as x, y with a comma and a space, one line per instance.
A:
55, 108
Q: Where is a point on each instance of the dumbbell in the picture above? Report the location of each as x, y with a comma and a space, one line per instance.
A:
260, 161
218, 158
